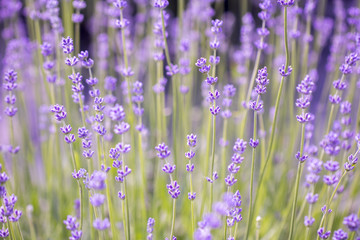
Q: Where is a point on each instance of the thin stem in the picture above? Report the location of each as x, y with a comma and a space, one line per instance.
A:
192, 203
329, 202
298, 176
174, 88
143, 177
277, 105
223, 150
32, 229
80, 188
173, 219
256, 66
166, 49
11, 232
252, 175
213, 72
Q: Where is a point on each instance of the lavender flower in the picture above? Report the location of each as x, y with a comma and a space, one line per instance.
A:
150, 228
340, 235
101, 225
352, 222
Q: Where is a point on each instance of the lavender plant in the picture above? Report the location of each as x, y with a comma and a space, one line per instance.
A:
90, 89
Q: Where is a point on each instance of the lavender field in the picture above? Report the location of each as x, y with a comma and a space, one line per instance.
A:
187, 119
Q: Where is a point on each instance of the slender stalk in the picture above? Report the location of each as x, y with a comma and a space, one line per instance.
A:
32, 229
143, 177
124, 218
213, 72
307, 233
80, 188
173, 219
212, 160
223, 150
77, 35
174, 88
80, 102
297, 183
126, 206
192, 202
11, 232
111, 209
277, 105
252, 175
251, 84
329, 202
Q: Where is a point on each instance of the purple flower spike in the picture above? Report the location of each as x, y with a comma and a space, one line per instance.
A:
189, 155
253, 143
101, 224
123, 148
161, 4
323, 234
211, 80
121, 128
120, 4
66, 129
309, 221
168, 168
163, 151
69, 138
340, 235
312, 198
302, 158
191, 196
190, 167
216, 26
4, 233
284, 72
97, 180
173, 189
67, 45
332, 166
230, 180
117, 113
121, 195
97, 199
286, 3
214, 110
71, 223
200, 62
191, 140
352, 222
79, 174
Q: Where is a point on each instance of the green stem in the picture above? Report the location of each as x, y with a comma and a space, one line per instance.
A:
248, 228
223, 150
174, 88
80, 188
143, 177
297, 183
328, 204
11, 232
173, 219
32, 229
277, 105
192, 204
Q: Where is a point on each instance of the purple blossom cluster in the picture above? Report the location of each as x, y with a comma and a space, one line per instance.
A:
237, 158
10, 85
120, 76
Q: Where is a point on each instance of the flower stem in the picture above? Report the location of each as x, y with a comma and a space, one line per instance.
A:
173, 219
329, 202
192, 203
298, 176
252, 175
277, 105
